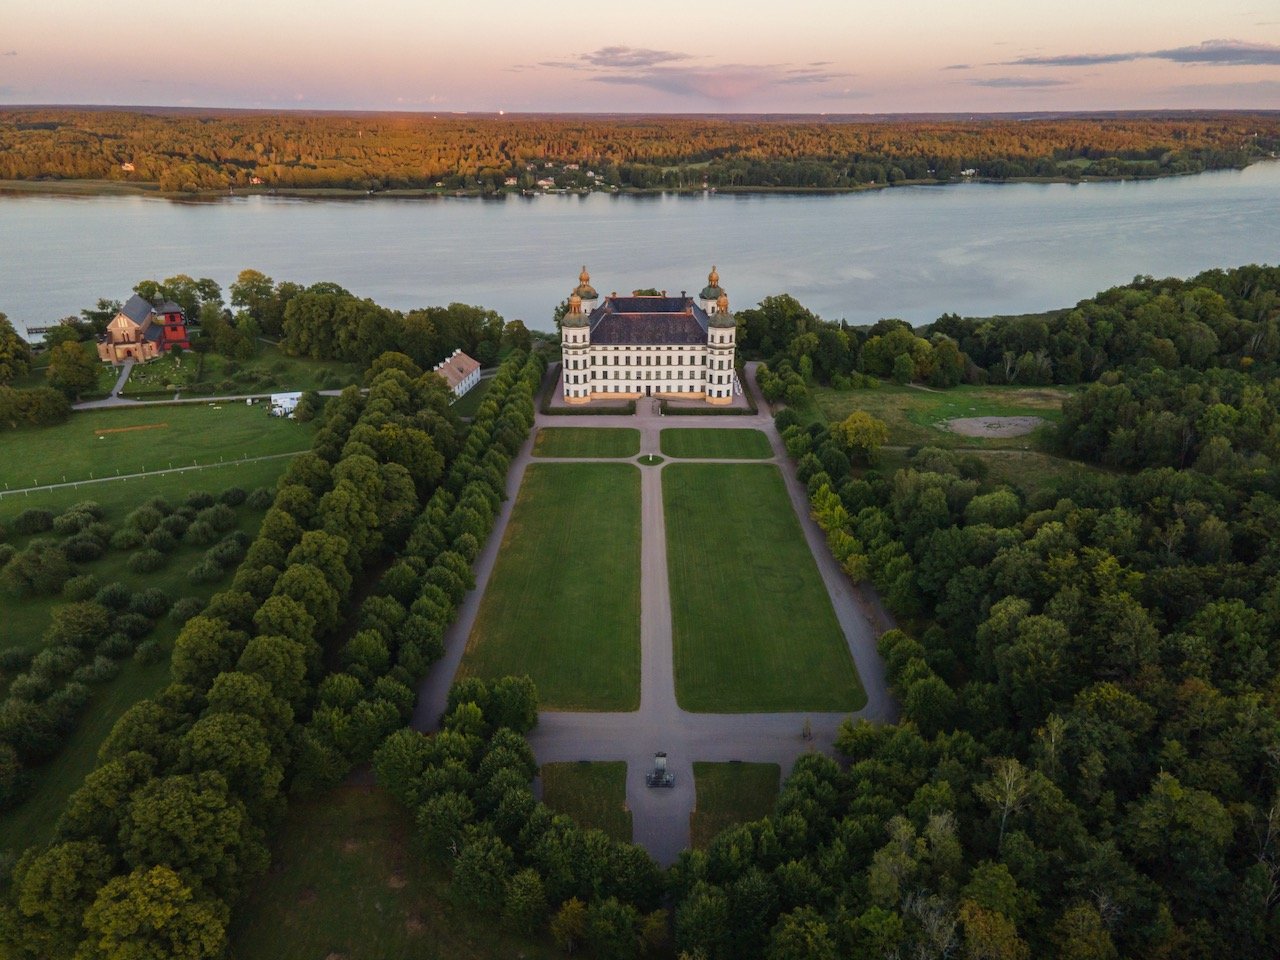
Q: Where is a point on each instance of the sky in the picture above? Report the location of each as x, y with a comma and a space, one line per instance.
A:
669, 56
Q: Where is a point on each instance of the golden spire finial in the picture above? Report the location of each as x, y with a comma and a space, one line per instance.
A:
713, 278
584, 277
575, 303
722, 304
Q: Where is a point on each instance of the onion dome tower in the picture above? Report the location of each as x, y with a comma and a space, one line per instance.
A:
722, 331
586, 291
711, 293
575, 345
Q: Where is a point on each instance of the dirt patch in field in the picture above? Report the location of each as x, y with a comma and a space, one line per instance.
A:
141, 426
992, 426
397, 882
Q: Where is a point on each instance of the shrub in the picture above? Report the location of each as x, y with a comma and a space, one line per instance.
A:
175, 524
162, 540
7, 552
33, 521
127, 538
233, 496
150, 651
199, 499
226, 553
41, 569
133, 625
82, 587
145, 561
32, 687
185, 608
14, 659
117, 646
91, 507
78, 624
83, 548
221, 517
206, 571
114, 596
102, 668
144, 518
201, 533
71, 522
261, 498
152, 602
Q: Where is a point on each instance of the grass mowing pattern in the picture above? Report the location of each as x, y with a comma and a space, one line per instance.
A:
753, 626
728, 794
563, 604
616, 442
75, 450
712, 444
593, 794
346, 883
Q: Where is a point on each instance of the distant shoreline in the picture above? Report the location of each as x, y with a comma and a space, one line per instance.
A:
124, 188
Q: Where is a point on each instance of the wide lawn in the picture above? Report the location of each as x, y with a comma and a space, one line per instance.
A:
345, 883
753, 626
270, 369
728, 794
563, 603
916, 417
617, 442
593, 794
712, 444
102, 443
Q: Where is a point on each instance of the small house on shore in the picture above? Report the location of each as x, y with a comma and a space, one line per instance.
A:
459, 371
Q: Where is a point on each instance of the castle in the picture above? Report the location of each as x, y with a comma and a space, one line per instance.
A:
634, 346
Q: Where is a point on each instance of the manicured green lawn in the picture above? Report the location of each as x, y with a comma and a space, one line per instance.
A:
345, 883
587, 442
469, 402
730, 793
915, 416
563, 604
594, 794
752, 622
100, 443
716, 444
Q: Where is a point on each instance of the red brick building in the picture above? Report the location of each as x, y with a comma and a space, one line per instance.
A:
143, 330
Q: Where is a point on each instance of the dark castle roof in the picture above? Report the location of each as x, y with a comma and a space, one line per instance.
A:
136, 308
625, 321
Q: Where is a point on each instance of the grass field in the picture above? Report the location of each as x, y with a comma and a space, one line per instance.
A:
563, 604
345, 885
469, 403
587, 442
914, 416
716, 444
752, 622
100, 443
118, 497
730, 793
594, 794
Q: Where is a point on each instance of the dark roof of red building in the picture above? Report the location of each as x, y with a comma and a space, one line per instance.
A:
648, 320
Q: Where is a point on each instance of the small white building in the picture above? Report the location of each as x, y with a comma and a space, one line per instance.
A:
459, 371
283, 404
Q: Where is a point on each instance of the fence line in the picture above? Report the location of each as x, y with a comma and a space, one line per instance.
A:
148, 473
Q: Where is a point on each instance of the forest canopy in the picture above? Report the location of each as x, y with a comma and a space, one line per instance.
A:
192, 151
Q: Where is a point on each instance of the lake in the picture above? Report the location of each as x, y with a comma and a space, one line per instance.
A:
910, 252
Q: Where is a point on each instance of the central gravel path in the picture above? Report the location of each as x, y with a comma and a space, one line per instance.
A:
661, 816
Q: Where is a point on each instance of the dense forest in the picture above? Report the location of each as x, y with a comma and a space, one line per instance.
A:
192, 151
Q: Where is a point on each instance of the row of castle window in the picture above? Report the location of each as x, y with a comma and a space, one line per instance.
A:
578, 363
574, 378
615, 388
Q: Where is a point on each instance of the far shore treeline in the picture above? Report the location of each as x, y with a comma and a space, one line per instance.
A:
209, 151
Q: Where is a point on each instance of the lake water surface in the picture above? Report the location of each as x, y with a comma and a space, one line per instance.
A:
912, 252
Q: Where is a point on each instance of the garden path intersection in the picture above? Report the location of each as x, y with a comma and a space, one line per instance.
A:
661, 816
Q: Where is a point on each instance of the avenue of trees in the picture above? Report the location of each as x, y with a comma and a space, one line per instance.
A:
191, 151
166, 835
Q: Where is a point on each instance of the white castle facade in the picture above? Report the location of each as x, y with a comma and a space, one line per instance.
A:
635, 346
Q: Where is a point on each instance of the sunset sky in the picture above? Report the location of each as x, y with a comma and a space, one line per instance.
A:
812, 56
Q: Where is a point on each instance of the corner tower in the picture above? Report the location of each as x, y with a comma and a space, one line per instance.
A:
575, 341
722, 331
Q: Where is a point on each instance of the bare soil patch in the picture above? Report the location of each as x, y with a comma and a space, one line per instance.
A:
140, 426
992, 426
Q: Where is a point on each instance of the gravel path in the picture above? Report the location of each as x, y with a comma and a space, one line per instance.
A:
661, 817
